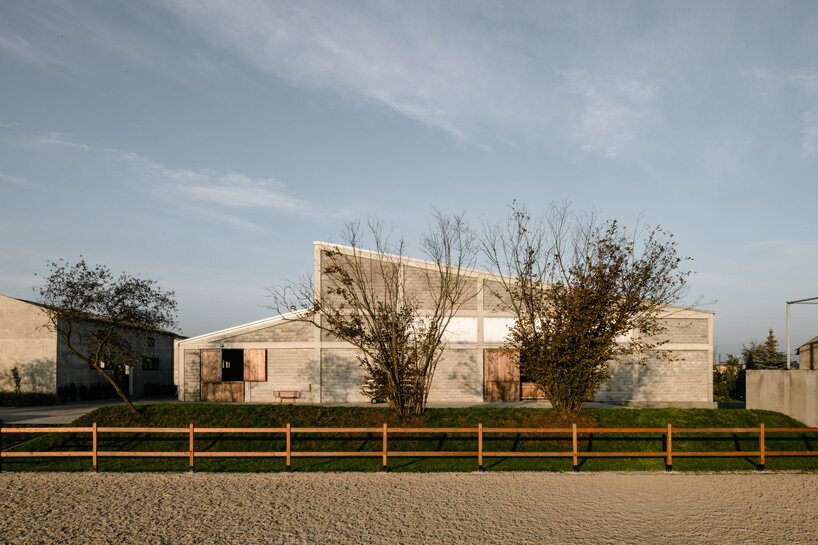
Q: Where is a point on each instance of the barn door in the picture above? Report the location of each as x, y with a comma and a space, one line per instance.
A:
213, 389
211, 365
502, 375
255, 365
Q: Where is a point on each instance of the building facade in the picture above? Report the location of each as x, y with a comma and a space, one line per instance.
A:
46, 365
251, 362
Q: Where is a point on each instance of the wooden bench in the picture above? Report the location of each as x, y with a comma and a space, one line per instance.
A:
281, 395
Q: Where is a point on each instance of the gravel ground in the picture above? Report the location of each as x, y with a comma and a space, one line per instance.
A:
356, 508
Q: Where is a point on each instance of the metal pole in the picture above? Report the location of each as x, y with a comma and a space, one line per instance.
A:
807, 301
788, 335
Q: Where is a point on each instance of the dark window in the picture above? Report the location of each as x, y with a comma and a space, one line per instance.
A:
151, 342
150, 364
232, 365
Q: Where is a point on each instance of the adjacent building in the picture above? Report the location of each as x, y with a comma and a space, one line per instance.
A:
253, 362
45, 364
808, 354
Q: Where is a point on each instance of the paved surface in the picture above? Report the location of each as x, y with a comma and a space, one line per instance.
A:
473, 508
62, 413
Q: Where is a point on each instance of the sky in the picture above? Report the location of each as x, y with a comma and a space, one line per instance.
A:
207, 144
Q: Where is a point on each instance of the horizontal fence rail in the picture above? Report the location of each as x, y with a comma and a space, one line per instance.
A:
574, 433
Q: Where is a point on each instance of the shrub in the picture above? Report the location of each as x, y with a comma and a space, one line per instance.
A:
26, 399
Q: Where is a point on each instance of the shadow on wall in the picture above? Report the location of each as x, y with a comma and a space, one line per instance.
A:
460, 375
344, 378
619, 387
35, 376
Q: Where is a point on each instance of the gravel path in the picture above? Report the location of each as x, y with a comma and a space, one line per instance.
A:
471, 508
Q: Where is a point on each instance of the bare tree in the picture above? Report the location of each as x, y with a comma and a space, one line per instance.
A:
584, 292
363, 297
102, 319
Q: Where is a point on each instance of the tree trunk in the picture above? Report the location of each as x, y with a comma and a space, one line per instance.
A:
118, 390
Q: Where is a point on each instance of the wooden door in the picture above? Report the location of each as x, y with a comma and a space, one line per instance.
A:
211, 365
255, 365
502, 375
213, 389
223, 391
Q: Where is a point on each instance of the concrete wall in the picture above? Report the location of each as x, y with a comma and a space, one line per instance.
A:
25, 342
790, 392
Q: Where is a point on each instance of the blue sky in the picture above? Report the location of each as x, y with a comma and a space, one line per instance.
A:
206, 144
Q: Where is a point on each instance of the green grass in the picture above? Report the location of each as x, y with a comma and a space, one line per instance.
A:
215, 415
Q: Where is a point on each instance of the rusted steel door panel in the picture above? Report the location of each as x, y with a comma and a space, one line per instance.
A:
211, 365
255, 365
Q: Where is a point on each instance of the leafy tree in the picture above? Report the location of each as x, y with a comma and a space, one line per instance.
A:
728, 379
764, 356
103, 319
364, 299
584, 292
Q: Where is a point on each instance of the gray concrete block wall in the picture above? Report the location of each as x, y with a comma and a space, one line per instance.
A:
283, 332
495, 298
457, 377
685, 330
342, 376
287, 369
685, 379
660, 381
619, 387
420, 283
192, 388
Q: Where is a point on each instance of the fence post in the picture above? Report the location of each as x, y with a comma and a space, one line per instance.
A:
761, 454
191, 447
574, 451
669, 459
289, 468
1, 446
384, 446
480, 446
94, 446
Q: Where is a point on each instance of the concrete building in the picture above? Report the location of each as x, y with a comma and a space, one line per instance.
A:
46, 365
250, 362
808, 354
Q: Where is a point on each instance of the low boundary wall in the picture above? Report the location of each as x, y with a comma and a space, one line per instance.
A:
792, 392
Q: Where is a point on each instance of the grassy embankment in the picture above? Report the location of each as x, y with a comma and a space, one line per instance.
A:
212, 415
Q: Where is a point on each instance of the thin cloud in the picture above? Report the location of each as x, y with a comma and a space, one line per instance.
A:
16, 180
208, 186
14, 44
612, 111
466, 76
809, 132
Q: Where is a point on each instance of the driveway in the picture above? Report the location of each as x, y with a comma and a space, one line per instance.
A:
62, 413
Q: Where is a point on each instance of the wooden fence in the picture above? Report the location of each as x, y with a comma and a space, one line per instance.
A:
288, 454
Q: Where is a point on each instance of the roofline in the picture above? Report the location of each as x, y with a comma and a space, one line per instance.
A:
250, 325
95, 318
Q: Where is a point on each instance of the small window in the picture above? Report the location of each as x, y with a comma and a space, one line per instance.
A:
151, 342
150, 364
